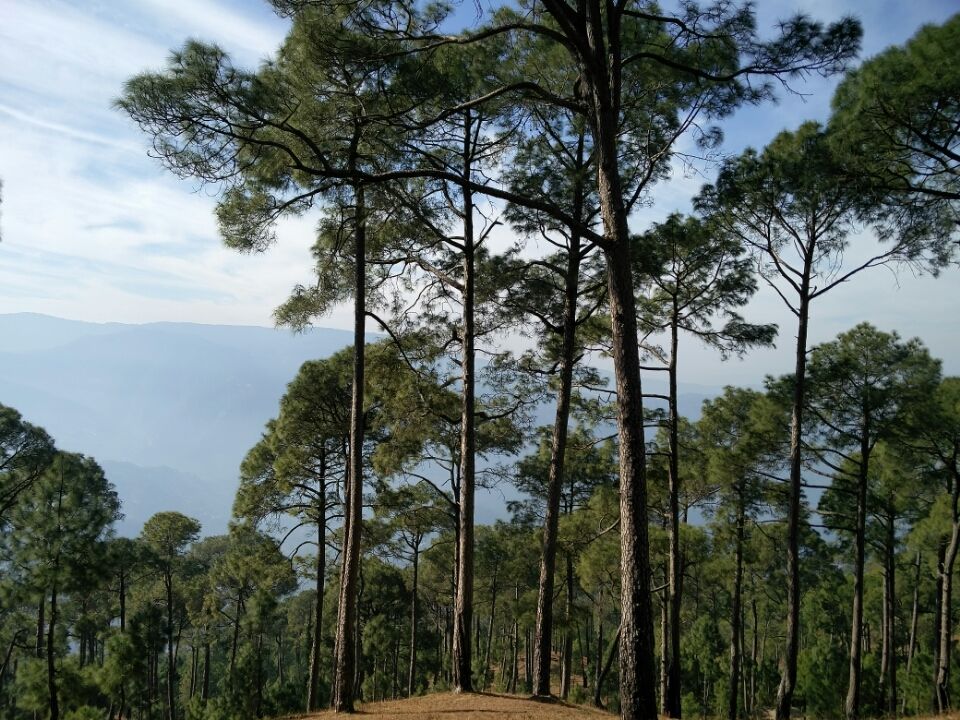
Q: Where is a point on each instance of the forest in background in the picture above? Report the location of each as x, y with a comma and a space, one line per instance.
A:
791, 549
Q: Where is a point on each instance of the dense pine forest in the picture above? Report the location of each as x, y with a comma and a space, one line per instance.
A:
787, 550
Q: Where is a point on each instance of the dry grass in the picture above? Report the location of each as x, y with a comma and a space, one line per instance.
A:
473, 706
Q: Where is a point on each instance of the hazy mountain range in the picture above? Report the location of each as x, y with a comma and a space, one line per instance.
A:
168, 409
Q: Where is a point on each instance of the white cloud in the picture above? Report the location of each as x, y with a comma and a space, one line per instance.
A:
93, 229
253, 33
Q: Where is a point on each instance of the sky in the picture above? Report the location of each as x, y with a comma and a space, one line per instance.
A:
93, 229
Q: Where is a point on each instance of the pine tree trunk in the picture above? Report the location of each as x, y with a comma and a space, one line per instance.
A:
236, 636
122, 597
754, 656
744, 688
171, 662
359, 668
604, 671
193, 670
852, 705
313, 681
637, 675
259, 676
914, 614
412, 670
735, 615
675, 576
494, 589
598, 658
888, 666
395, 680
52, 690
463, 605
664, 643
345, 660
527, 662
937, 619
6, 659
788, 680
914, 622
205, 686
582, 644
946, 602
514, 669
543, 636
567, 655
41, 625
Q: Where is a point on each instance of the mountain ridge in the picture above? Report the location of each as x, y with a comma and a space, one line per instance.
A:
169, 408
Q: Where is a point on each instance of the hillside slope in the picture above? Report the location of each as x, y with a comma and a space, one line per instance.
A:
474, 706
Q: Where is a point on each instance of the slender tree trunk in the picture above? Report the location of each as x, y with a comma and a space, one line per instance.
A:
604, 671
543, 636
52, 658
937, 619
463, 605
194, 657
946, 601
504, 653
672, 705
744, 688
122, 597
236, 636
41, 624
514, 670
598, 657
205, 686
171, 661
359, 667
345, 659
395, 681
583, 644
888, 669
914, 622
914, 613
754, 656
527, 663
885, 640
735, 614
566, 666
852, 705
664, 643
493, 615
412, 670
788, 680
258, 706
7, 655
313, 681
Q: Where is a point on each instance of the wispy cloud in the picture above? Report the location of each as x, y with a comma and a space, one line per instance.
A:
59, 129
94, 229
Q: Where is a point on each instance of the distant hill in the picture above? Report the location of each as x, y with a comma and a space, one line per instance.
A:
170, 409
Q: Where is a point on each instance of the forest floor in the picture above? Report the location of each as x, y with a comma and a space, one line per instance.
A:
473, 706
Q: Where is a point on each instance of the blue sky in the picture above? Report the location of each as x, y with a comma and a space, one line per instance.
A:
95, 230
